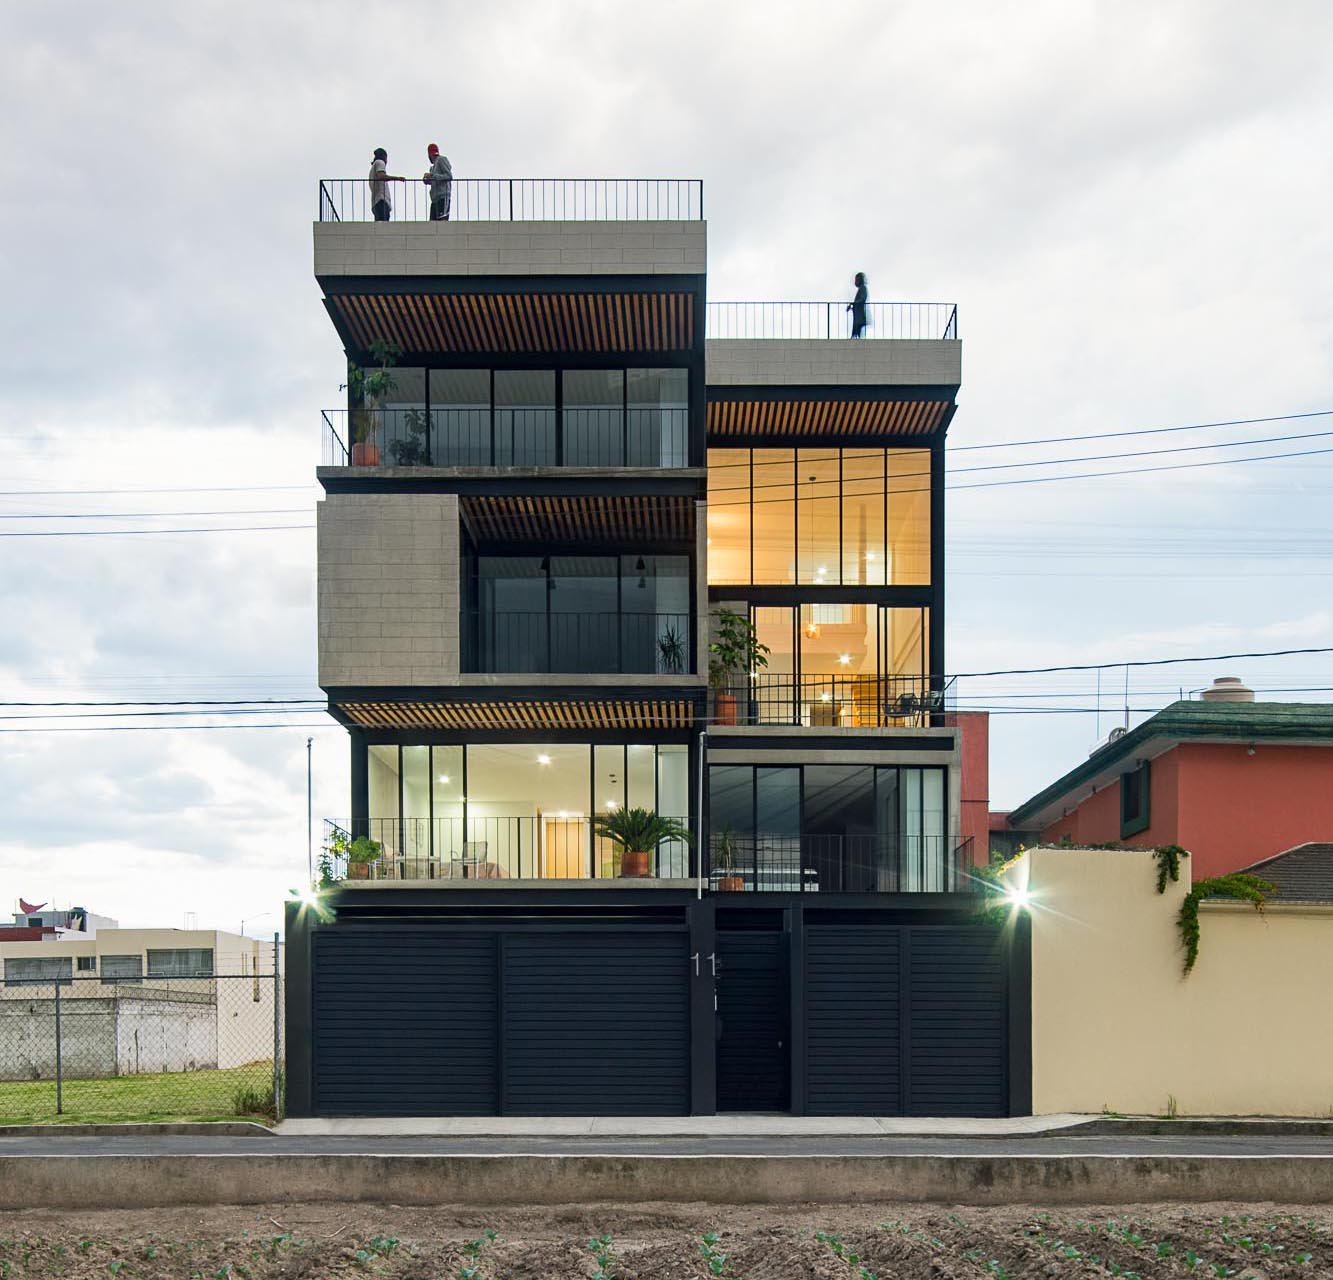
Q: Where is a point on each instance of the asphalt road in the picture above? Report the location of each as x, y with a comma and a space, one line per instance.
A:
54, 1144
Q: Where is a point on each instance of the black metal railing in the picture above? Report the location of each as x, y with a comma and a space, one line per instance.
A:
545, 642
900, 320
520, 199
412, 436
833, 701
560, 845
809, 863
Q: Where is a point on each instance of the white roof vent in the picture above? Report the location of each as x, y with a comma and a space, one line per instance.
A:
1228, 689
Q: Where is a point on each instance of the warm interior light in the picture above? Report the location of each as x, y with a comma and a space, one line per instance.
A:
870, 555
613, 804
444, 777
826, 697
812, 629
543, 760
845, 659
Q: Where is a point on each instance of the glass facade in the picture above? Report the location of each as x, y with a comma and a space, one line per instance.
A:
840, 663
843, 827
819, 517
627, 613
635, 417
518, 810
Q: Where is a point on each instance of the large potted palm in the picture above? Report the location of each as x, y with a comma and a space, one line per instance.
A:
734, 651
637, 833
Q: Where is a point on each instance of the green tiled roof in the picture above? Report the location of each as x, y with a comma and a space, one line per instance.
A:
1193, 721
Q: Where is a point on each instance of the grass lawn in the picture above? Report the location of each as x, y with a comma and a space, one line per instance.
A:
177, 1095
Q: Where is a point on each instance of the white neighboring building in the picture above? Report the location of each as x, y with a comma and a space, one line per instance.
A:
135, 1001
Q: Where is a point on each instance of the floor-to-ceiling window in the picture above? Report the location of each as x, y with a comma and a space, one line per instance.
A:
627, 613
820, 517
518, 810
837, 828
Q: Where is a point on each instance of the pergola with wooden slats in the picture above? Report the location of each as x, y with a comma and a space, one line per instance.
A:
630, 521
501, 714
515, 323
773, 419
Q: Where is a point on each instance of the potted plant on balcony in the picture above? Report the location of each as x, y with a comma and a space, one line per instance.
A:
724, 863
735, 651
637, 833
671, 651
367, 390
356, 852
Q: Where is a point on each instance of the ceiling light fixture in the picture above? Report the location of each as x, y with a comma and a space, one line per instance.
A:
444, 777
845, 659
543, 760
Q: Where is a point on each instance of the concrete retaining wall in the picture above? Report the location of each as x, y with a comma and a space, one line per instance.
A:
104, 1036
136, 1182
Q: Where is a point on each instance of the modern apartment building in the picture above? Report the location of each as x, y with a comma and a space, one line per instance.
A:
560, 478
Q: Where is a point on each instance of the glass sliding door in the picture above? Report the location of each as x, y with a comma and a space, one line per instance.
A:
460, 417
777, 804
659, 415
594, 417
840, 826
525, 430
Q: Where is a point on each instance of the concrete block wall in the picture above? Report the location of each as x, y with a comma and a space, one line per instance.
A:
510, 248
841, 362
388, 593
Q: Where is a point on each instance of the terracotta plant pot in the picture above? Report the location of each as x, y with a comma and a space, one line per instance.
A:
634, 863
366, 454
724, 704
730, 884
358, 871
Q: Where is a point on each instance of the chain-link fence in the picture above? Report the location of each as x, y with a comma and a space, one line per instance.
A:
152, 1047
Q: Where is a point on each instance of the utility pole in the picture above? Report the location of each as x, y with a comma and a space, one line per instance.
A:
309, 810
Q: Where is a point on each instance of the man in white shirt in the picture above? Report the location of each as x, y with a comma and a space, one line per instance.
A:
380, 204
440, 177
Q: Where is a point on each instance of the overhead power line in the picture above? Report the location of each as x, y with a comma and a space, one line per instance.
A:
1144, 431
236, 488
118, 533
1141, 662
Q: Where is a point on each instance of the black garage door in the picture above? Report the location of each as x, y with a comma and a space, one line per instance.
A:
596, 1024
417, 1022
906, 1020
404, 1023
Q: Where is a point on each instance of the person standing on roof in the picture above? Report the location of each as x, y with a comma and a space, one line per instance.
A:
440, 177
380, 204
857, 306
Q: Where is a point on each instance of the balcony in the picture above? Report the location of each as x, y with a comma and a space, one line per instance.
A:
618, 643
833, 701
804, 321
484, 851
522, 199
413, 436
776, 863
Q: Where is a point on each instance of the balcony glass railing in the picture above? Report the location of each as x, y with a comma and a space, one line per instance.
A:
870, 863
833, 701
611, 643
549, 846
521, 200
798, 320
505, 437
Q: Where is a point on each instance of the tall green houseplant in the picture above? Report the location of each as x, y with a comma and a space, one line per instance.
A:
368, 388
734, 651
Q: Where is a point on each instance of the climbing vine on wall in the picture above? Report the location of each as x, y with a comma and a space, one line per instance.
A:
1168, 864
1239, 885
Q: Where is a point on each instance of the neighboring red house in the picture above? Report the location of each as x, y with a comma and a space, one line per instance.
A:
1228, 778
974, 792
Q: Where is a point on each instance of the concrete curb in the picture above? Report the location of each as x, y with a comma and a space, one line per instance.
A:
141, 1182
187, 1129
1218, 1127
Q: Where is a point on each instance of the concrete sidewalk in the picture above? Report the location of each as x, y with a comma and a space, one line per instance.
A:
724, 1126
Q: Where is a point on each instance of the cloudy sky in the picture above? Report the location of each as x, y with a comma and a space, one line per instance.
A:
1129, 202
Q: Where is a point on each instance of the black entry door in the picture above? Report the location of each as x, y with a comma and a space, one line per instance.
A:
753, 1009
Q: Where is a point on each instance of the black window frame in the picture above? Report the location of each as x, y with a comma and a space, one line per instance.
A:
1135, 818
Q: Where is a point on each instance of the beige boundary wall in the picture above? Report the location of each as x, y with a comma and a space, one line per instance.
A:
1116, 1025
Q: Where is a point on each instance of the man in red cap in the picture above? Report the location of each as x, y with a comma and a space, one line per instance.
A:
440, 176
